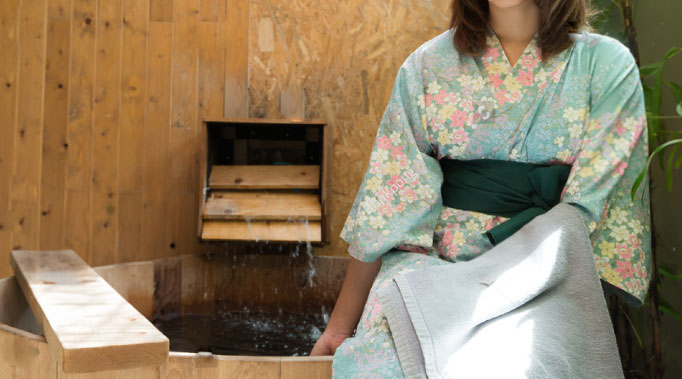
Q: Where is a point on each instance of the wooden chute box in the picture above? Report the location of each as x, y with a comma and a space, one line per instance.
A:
264, 180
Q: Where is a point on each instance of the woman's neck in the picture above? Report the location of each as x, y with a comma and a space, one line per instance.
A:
514, 25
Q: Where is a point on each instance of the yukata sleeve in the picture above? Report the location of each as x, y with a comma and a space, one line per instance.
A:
614, 151
398, 203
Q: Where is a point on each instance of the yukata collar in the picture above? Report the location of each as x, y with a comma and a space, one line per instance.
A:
531, 50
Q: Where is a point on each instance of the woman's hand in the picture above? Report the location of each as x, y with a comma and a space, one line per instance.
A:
348, 307
327, 343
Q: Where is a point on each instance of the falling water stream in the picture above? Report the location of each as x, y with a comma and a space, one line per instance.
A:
250, 332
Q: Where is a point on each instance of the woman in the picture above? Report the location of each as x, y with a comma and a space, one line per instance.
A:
513, 80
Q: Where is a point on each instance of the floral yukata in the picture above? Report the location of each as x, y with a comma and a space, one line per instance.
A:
583, 107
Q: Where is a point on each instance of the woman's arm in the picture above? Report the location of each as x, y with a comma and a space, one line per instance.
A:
348, 309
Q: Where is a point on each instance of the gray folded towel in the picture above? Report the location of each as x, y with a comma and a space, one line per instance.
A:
531, 307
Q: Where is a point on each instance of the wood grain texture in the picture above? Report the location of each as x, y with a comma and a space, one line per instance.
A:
25, 357
262, 205
306, 367
265, 177
347, 69
88, 325
135, 25
182, 155
52, 185
161, 10
235, 33
210, 91
155, 242
104, 223
8, 100
197, 283
128, 373
167, 287
14, 310
272, 231
226, 58
134, 281
27, 135
292, 102
79, 127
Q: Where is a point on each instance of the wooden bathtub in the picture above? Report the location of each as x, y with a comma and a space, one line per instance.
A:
186, 284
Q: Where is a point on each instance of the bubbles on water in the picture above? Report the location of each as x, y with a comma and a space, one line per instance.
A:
246, 332
315, 333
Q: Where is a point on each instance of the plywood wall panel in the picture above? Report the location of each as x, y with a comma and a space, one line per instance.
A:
345, 55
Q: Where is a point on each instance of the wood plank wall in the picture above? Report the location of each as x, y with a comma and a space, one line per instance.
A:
101, 102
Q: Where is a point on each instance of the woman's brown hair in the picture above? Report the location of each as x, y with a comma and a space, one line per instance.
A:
558, 18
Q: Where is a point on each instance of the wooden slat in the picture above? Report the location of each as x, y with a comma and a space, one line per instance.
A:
31, 79
212, 10
210, 93
235, 30
22, 357
155, 242
128, 373
78, 211
265, 177
161, 10
8, 102
167, 287
182, 178
259, 205
307, 367
273, 231
54, 126
268, 121
237, 367
131, 128
134, 281
198, 288
24, 193
104, 225
87, 324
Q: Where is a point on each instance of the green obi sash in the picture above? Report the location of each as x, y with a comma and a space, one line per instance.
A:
517, 190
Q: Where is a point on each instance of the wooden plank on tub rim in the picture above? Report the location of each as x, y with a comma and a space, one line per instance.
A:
123, 337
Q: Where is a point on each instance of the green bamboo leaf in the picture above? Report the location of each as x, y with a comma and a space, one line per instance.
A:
672, 52
666, 307
669, 169
669, 274
649, 69
645, 170
679, 108
676, 90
